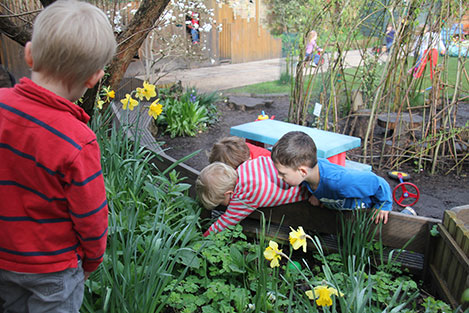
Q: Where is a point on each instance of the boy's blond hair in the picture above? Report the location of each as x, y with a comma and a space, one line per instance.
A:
71, 41
213, 182
295, 149
230, 150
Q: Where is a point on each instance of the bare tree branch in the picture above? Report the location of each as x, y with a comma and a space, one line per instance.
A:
18, 33
128, 41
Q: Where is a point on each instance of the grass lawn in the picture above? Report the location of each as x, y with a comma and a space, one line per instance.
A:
263, 88
279, 87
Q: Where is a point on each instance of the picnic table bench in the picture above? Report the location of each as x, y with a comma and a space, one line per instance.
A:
331, 146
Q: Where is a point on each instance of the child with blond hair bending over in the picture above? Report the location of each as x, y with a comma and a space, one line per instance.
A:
255, 183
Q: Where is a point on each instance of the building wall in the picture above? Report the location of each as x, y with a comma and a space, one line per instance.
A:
244, 37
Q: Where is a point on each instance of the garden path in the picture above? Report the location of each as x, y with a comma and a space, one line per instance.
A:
227, 76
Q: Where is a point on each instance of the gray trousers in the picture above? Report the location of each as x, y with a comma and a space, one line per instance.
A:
37, 293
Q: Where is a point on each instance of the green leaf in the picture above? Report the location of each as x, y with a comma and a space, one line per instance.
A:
188, 258
434, 231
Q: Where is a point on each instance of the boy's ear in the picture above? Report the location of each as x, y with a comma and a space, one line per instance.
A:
229, 192
28, 57
94, 79
303, 170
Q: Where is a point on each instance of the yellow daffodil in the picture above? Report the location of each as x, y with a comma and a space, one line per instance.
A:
322, 295
111, 94
273, 254
298, 238
155, 109
108, 93
128, 101
148, 91
100, 104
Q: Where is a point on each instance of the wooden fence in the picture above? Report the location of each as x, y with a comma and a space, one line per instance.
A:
243, 40
12, 58
450, 262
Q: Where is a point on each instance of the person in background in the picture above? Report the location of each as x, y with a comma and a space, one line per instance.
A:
53, 207
312, 49
195, 28
390, 33
430, 43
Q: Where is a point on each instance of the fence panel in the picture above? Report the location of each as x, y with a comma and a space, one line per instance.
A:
450, 264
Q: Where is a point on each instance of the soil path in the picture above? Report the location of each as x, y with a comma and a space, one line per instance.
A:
437, 193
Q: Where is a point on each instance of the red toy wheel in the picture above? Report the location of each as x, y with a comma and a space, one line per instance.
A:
406, 197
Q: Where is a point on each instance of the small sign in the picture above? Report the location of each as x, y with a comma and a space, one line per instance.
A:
317, 109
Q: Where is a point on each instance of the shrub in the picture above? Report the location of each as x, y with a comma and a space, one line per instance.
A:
188, 113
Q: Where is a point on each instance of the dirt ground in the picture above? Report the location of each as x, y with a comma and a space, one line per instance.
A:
437, 193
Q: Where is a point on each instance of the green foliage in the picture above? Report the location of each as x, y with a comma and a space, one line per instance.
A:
436, 306
151, 223
369, 76
206, 100
188, 113
386, 284
465, 296
182, 117
434, 231
357, 237
285, 78
284, 15
219, 283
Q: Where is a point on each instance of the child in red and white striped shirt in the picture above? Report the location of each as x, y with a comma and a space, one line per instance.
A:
253, 184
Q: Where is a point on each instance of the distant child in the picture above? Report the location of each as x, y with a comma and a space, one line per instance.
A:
430, 43
194, 26
53, 207
312, 48
234, 151
330, 185
390, 33
253, 184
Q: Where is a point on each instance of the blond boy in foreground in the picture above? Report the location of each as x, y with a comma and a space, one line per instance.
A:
53, 207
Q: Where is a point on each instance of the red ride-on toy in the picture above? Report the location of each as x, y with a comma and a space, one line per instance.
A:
405, 193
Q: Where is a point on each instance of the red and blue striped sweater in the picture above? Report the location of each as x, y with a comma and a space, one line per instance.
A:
53, 204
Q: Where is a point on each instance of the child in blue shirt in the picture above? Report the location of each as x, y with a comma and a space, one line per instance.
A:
330, 185
390, 33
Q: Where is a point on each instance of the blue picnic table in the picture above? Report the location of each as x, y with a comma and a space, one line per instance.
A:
329, 145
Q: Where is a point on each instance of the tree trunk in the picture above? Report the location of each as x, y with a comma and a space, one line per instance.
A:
18, 33
128, 41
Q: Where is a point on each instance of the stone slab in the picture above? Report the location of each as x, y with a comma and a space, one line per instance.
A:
247, 103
